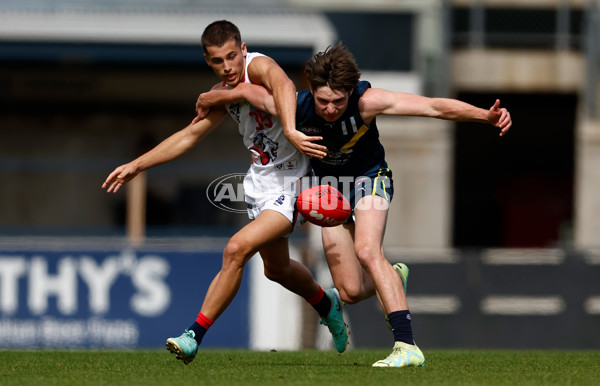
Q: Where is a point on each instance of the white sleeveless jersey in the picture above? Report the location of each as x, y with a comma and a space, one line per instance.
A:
276, 163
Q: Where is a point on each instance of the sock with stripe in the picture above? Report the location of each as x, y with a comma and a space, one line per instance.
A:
200, 326
321, 303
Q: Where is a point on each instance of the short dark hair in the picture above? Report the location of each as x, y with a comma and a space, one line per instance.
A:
335, 68
220, 32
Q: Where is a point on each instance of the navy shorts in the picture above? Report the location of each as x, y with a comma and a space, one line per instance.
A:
376, 182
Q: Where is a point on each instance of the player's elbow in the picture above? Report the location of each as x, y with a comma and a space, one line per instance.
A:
437, 109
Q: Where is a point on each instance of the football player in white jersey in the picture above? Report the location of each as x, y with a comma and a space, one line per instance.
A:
267, 187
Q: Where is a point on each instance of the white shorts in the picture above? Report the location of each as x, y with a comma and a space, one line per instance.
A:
261, 194
282, 203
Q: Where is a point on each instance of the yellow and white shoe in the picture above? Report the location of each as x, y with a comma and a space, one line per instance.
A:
403, 355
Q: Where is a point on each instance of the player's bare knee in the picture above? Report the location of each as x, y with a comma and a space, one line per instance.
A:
235, 253
276, 275
350, 294
367, 256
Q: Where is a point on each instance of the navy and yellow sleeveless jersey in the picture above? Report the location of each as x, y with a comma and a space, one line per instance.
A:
353, 146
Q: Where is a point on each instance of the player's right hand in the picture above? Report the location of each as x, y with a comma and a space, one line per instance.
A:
120, 176
202, 108
306, 145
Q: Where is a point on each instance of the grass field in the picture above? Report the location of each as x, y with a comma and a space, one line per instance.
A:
239, 367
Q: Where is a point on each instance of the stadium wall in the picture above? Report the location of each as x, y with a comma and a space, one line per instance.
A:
493, 298
104, 294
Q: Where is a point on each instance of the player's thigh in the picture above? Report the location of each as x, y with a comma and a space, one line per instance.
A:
338, 245
370, 221
267, 228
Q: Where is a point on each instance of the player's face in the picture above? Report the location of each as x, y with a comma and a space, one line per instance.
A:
330, 104
227, 61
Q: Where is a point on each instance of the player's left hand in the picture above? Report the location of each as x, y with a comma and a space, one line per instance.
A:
306, 145
499, 117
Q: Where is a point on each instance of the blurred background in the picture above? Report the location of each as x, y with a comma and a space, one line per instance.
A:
502, 235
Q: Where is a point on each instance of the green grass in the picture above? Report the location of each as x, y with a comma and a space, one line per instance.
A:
240, 367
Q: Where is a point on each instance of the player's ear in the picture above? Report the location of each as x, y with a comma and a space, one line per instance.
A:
244, 49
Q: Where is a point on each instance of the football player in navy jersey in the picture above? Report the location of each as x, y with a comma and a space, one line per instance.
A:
336, 127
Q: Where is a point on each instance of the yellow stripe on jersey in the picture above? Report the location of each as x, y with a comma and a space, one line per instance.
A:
363, 129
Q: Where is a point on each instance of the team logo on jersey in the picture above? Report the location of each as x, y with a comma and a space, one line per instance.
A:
341, 153
234, 111
264, 149
309, 130
291, 164
288, 165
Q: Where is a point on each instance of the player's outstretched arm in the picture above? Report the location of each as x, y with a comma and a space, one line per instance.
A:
169, 149
455, 110
378, 101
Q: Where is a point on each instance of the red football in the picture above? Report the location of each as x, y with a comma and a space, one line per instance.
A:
323, 205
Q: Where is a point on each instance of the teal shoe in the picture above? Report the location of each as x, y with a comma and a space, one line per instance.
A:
335, 321
402, 271
184, 347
